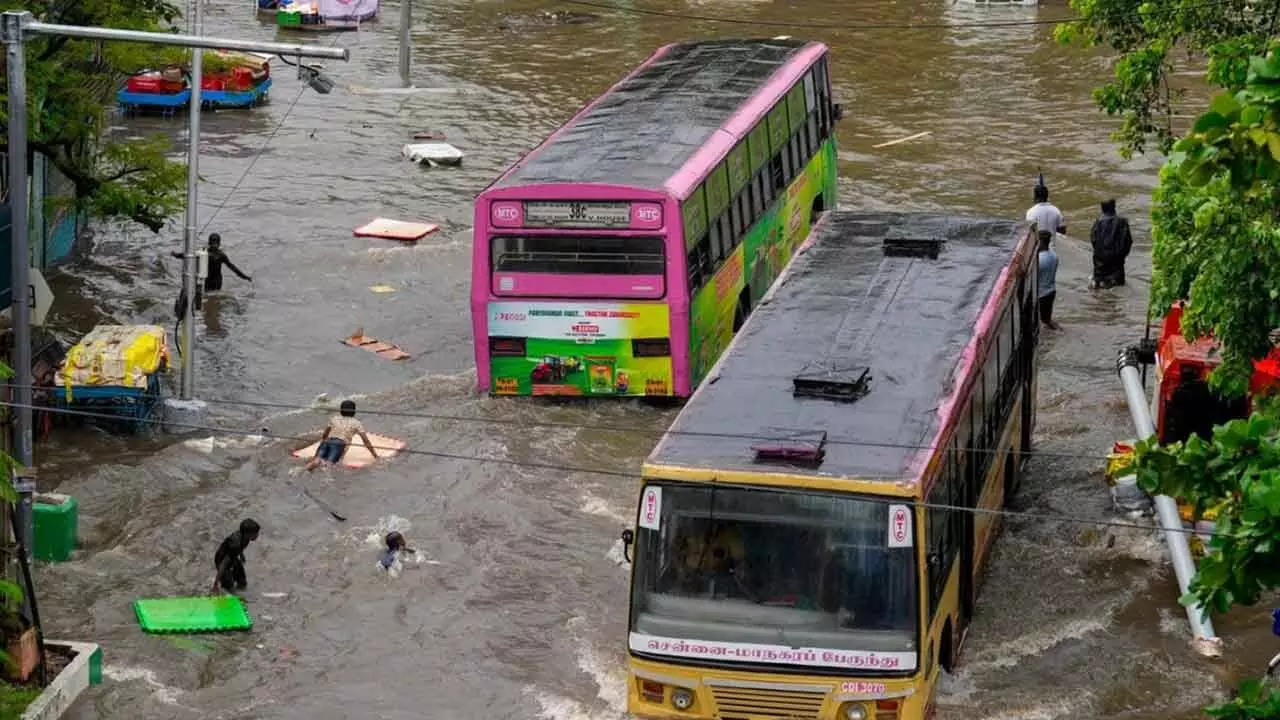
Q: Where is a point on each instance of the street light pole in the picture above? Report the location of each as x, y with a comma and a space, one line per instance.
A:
14, 27
20, 257
187, 383
406, 19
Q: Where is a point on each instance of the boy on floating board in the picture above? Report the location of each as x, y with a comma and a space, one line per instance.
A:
337, 436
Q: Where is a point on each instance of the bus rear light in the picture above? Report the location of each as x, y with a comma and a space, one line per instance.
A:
886, 710
507, 347
651, 347
652, 691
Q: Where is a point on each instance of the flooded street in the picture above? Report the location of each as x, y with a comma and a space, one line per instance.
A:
520, 609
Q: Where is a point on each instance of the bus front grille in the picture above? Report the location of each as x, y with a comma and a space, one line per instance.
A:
735, 703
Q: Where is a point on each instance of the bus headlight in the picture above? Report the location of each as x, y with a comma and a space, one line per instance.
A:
682, 699
854, 711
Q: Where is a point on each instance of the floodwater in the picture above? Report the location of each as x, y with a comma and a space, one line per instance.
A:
520, 611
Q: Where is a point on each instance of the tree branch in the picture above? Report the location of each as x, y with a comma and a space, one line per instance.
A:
122, 174
145, 216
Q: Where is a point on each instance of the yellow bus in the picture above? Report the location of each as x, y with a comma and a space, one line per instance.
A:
793, 553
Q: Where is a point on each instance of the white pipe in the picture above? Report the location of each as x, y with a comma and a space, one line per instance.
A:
1204, 641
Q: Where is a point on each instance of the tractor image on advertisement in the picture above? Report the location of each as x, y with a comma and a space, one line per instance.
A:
554, 369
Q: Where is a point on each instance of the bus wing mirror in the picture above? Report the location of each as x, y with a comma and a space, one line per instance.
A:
628, 537
837, 112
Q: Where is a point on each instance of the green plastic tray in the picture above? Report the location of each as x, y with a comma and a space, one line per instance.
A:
192, 614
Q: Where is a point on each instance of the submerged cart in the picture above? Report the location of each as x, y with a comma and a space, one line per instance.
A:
111, 377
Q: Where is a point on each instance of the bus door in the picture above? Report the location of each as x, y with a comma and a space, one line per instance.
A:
1028, 329
967, 492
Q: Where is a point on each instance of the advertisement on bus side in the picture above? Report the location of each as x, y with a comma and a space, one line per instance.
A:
576, 348
755, 263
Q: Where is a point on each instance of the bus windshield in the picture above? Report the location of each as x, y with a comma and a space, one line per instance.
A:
571, 254
774, 577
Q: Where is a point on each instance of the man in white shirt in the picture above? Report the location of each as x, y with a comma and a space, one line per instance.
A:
1044, 214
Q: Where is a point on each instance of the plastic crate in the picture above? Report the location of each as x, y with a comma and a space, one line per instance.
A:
286, 18
57, 525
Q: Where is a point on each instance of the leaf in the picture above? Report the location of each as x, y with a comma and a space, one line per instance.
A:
11, 591
1211, 119
1224, 104
1261, 69
1273, 145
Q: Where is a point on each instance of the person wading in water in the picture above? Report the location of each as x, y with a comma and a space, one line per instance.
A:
1112, 242
217, 258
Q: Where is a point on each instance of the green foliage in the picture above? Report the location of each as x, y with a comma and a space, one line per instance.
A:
10, 592
70, 86
1255, 701
1215, 236
1240, 464
14, 700
1148, 36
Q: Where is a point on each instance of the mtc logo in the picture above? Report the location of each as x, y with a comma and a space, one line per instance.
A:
506, 214
648, 214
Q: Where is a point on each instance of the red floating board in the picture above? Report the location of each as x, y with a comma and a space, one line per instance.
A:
383, 350
395, 229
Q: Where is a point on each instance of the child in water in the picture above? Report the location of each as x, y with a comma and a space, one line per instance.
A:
391, 557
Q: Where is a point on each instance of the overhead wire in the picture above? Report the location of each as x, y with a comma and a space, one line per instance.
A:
869, 26
559, 467
261, 150
782, 434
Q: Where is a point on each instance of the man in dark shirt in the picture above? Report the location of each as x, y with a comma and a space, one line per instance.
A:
1111, 244
217, 258
229, 559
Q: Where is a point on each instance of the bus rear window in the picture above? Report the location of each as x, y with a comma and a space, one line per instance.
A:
598, 255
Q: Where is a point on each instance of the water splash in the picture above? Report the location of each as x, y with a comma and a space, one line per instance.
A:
122, 673
596, 505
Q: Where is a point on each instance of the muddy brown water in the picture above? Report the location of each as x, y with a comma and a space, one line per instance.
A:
520, 610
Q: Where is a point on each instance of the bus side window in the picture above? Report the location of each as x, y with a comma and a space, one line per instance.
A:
824, 99
698, 265
777, 176
735, 215
717, 241
760, 194
726, 233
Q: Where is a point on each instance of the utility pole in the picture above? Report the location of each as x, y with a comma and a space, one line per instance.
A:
19, 294
187, 382
406, 20
15, 26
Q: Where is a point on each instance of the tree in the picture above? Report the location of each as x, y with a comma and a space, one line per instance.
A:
1149, 36
70, 86
1216, 247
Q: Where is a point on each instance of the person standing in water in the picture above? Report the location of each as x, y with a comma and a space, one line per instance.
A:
217, 258
1044, 214
1047, 280
338, 435
1111, 242
229, 559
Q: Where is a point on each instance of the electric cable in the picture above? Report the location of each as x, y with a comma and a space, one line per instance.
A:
261, 150
871, 26
557, 467
784, 434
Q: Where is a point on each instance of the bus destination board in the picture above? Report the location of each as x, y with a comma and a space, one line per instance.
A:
577, 214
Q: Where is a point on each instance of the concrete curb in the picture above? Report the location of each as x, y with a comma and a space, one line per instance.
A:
85, 670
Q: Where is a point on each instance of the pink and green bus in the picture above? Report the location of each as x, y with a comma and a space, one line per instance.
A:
620, 255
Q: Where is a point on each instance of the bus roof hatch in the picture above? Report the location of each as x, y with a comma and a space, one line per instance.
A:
842, 385
912, 247
796, 450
